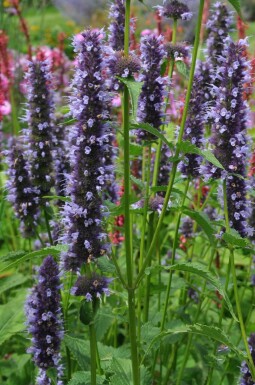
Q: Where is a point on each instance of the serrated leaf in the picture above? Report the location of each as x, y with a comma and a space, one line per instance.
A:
182, 68
80, 350
12, 318
105, 265
137, 182
53, 250
151, 130
203, 221
123, 372
202, 271
84, 378
237, 5
134, 89
235, 239
7, 283
188, 148
212, 332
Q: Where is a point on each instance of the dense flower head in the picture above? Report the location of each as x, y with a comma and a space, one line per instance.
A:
194, 127
21, 193
44, 321
175, 9
39, 117
246, 378
229, 117
164, 167
117, 25
178, 50
150, 101
218, 28
89, 137
91, 287
122, 65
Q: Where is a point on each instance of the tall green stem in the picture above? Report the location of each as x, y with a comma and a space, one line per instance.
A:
128, 240
180, 136
93, 353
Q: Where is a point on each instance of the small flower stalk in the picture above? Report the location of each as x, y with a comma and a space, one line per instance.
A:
174, 10
117, 25
82, 217
92, 288
44, 321
39, 117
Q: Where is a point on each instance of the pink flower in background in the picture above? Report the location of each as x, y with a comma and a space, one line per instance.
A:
5, 108
116, 101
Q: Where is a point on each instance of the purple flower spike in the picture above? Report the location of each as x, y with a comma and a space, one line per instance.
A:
218, 28
90, 138
174, 10
117, 26
246, 378
229, 117
153, 91
44, 321
39, 134
21, 193
194, 128
91, 288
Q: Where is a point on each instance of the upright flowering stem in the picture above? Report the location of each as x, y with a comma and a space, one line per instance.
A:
177, 153
128, 247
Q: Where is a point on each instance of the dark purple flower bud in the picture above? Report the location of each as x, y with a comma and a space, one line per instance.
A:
174, 51
91, 287
229, 116
21, 193
187, 228
174, 10
194, 128
44, 320
193, 295
246, 377
218, 28
117, 26
151, 98
164, 168
39, 134
82, 217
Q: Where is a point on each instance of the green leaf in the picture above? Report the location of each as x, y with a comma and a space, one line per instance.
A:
235, 239
12, 317
123, 372
202, 271
84, 378
151, 130
80, 350
7, 283
188, 148
182, 68
53, 250
203, 221
208, 331
138, 182
134, 89
237, 5
105, 265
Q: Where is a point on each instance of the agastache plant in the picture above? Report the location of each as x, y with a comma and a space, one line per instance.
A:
21, 193
117, 25
246, 377
229, 133
44, 321
82, 217
151, 101
174, 10
39, 117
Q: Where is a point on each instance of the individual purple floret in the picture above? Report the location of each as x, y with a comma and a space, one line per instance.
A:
246, 378
151, 101
39, 133
21, 193
117, 25
44, 320
91, 287
82, 217
174, 10
229, 117
218, 29
194, 127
